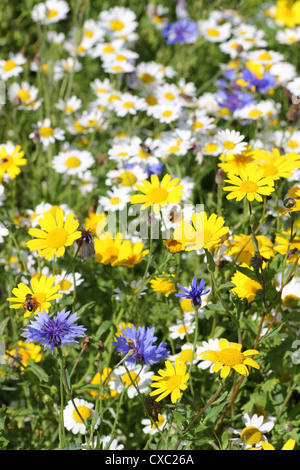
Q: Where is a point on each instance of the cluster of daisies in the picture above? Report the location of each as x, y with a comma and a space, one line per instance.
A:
156, 121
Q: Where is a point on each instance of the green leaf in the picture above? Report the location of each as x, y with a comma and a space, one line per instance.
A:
38, 371
106, 325
3, 325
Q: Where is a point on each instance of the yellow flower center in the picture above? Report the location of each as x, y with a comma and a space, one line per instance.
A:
68, 109
249, 187
88, 33
158, 195
84, 412
292, 144
40, 297
128, 104
120, 57
52, 13
211, 148
251, 435
114, 200
255, 113
198, 125
213, 32
182, 329
127, 178
24, 95
290, 300
167, 113
146, 78
173, 382
116, 25
9, 65
65, 285
57, 238
229, 145
72, 162
270, 170
186, 355
128, 379
151, 100
169, 96
230, 357
108, 49
46, 131
265, 56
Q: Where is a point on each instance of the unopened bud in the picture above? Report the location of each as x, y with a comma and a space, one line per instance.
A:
220, 177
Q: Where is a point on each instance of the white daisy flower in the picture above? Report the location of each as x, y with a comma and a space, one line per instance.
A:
46, 133
91, 33
180, 329
291, 293
66, 281
69, 65
150, 428
12, 67
70, 106
73, 162
116, 200
74, 417
283, 71
165, 112
3, 232
22, 94
288, 35
50, 12
294, 87
231, 141
126, 177
106, 443
55, 38
200, 123
148, 75
117, 22
264, 56
253, 432
212, 345
186, 354
121, 152
214, 32
128, 104
87, 182
140, 375
106, 49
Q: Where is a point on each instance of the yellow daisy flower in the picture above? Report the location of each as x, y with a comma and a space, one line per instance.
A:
157, 194
104, 381
204, 232
289, 445
230, 357
287, 13
10, 163
25, 352
130, 254
251, 184
38, 297
245, 287
107, 248
56, 234
276, 165
163, 285
243, 249
236, 163
170, 381
284, 247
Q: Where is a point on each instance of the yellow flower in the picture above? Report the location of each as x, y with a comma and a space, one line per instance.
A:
38, 297
295, 208
245, 287
276, 165
104, 383
287, 13
130, 254
284, 247
163, 285
25, 352
56, 234
251, 184
289, 445
10, 163
95, 222
157, 194
233, 164
207, 233
173, 246
230, 357
107, 248
170, 381
243, 249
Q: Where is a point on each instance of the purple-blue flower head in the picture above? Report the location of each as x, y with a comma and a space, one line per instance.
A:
182, 31
55, 332
140, 342
194, 292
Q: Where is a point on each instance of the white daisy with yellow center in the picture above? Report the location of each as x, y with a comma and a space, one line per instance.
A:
214, 32
181, 329
116, 200
118, 22
12, 66
231, 141
126, 177
46, 133
254, 431
165, 112
137, 376
50, 12
22, 94
68, 281
128, 104
150, 428
71, 105
73, 162
78, 418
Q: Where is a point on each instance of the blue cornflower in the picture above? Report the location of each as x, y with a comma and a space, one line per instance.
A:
54, 332
140, 342
182, 31
194, 292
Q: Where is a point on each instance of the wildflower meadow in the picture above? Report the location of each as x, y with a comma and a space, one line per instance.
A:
149, 226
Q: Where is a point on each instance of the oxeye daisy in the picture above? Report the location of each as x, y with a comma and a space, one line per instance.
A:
11, 158
46, 133
54, 235
50, 12
131, 377
171, 381
230, 357
73, 162
254, 431
251, 184
36, 298
75, 416
231, 141
54, 332
158, 194
70, 106
12, 67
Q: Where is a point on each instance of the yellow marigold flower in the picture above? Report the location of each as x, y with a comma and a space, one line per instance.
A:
130, 254
284, 247
234, 164
294, 192
204, 232
25, 352
230, 357
251, 184
170, 381
10, 163
95, 222
104, 381
243, 249
157, 194
163, 285
245, 287
173, 246
287, 13
38, 297
56, 234
289, 445
276, 165
107, 248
